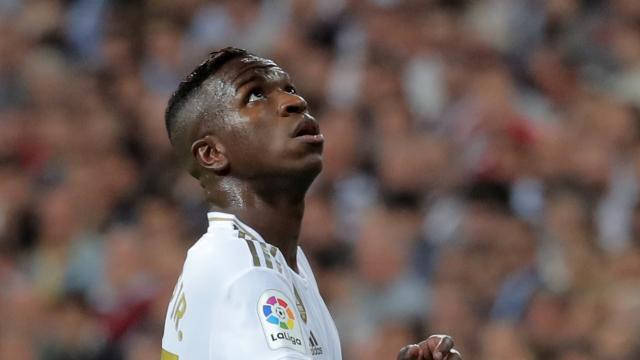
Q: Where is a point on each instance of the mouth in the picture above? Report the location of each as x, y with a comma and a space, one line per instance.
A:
308, 131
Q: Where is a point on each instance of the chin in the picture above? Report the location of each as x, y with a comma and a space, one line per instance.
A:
295, 177
312, 165
306, 168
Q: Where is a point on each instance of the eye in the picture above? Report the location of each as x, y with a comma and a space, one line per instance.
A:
255, 95
290, 89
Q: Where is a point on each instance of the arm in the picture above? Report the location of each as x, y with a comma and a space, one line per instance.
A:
257, 319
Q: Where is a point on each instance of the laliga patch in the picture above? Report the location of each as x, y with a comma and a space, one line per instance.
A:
280, 321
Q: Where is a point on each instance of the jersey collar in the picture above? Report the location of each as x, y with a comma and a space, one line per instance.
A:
230, 221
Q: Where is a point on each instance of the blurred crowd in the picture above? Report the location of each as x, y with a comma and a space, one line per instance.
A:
481, 178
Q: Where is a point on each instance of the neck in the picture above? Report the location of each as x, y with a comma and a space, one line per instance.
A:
273, 210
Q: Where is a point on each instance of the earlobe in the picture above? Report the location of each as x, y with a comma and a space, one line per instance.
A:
210, 154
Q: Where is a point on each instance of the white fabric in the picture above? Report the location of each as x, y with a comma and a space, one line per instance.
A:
218, 309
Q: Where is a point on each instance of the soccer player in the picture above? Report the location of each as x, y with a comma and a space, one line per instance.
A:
246, 290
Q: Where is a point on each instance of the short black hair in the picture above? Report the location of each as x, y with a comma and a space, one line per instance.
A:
189, 86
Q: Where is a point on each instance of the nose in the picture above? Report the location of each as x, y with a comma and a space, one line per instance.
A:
291, 104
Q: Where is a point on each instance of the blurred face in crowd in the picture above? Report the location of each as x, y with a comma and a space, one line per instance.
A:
382, 248
387, 339
503, 341
341, 130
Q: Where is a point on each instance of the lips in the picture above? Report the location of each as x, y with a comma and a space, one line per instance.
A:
307, 131
308, 126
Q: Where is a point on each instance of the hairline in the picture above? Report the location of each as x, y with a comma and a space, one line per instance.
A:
198, 94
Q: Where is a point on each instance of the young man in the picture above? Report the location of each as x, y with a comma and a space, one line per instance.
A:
246, 290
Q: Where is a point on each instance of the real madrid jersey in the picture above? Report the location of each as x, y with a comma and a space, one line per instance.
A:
238, 299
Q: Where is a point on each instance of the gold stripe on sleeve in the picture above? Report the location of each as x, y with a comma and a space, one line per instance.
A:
165, 355
267, 256
247, 234
300, 305
274, 252
254, 253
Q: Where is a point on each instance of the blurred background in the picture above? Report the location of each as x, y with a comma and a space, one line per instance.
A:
481, 179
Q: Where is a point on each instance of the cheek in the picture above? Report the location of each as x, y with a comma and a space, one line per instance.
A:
267, 136
254, 145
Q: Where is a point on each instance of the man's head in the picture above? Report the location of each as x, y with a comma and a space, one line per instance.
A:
239, 115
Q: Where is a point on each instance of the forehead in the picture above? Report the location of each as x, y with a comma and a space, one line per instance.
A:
240, 69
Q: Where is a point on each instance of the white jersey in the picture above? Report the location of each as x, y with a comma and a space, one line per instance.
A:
238, 299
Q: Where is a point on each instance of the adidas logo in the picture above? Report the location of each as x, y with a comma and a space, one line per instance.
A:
316, 349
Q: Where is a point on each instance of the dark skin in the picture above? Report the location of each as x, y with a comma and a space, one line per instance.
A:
257, 159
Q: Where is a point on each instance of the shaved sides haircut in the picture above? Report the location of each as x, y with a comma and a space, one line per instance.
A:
182, 100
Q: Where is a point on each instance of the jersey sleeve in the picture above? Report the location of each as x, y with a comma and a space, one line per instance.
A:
257, 319
185, 332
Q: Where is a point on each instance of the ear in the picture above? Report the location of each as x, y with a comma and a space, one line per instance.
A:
210, 154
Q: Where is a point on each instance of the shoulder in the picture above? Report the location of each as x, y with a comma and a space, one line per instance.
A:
305, 267
224, 255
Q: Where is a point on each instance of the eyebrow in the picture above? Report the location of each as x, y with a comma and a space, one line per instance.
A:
255, 76
251, 78
251, 68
